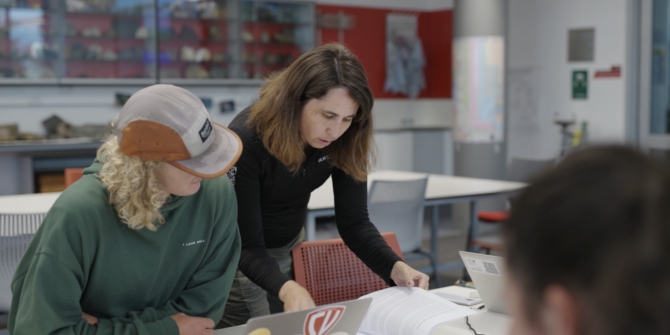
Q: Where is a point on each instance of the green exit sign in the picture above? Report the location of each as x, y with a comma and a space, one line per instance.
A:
580, 84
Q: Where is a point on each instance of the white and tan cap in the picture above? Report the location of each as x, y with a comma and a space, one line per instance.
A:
169, 124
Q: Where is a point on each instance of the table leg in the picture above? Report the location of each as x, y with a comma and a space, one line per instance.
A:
310, 227
433, 232
472, 232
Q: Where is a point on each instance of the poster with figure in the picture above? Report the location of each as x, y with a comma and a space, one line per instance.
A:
404, 56
478, 68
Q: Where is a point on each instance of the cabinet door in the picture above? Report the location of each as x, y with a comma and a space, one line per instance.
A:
105, 39
27, 51
146, 41
194, 40
273, 35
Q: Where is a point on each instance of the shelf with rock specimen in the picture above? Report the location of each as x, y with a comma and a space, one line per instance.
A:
93, 38
179, 39
198, 20
105, 14
283, 24
201, 41
106, 61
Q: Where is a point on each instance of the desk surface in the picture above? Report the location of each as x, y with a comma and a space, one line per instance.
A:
439, 186
27, 203
484, 322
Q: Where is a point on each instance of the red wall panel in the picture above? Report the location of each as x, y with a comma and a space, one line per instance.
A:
368, 37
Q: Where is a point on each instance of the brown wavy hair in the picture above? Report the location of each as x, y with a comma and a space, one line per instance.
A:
276, 115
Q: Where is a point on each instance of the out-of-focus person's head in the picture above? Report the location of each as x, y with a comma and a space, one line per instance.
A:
165, 143
588, 247
326, 74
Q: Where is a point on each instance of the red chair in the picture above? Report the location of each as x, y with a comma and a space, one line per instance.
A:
72, 175
489, 243
331, 272
520, 170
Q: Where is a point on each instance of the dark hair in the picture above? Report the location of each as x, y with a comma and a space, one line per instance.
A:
276, 115
598, 225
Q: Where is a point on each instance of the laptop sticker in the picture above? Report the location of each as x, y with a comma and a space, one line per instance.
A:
322, 320
480, 266
260, 331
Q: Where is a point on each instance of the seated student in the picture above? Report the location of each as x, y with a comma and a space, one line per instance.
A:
588, 247
141, 244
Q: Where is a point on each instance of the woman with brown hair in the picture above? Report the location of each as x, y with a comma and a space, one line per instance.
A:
312, 121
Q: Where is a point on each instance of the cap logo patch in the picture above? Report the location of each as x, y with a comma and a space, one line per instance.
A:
205, 131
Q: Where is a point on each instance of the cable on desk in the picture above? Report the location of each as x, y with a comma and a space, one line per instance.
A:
467, 321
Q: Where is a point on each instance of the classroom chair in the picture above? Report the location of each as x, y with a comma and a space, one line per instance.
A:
519, 170
72, 175
397, 206
331, 272
16, 232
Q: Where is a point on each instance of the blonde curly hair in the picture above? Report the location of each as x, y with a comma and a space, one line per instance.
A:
134, 189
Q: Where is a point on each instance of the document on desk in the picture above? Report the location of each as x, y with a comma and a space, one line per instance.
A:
408, 311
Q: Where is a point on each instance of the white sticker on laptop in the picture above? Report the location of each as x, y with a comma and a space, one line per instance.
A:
476, 265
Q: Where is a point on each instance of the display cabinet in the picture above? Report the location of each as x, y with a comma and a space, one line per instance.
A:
106, 39
273, 35
26, 51
147, 41
195, 39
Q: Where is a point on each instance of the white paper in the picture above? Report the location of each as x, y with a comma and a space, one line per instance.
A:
404, 310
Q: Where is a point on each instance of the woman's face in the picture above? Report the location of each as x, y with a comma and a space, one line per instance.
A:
324, 120
176, 181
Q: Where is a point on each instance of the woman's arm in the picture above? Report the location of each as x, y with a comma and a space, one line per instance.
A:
363, 238
255, 262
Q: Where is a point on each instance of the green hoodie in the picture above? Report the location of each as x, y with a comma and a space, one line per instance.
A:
84, 259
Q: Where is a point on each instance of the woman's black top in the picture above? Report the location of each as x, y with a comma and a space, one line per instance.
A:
272, 203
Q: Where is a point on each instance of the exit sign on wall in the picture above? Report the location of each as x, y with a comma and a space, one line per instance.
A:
580, 84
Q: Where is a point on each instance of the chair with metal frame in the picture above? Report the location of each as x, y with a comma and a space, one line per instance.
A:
520, 170
331, 272
398, 206
16, 233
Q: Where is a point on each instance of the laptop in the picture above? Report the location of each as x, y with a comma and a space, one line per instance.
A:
487, 273
342, 318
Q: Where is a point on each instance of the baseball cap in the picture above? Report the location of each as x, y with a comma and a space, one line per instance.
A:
167, 123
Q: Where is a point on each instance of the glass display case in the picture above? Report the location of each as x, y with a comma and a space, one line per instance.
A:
133, 41
273, 34
194, 39
26, 51
107, 39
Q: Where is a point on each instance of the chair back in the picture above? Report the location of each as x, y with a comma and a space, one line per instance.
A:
397, 206
331, 272
524, 170
16, 233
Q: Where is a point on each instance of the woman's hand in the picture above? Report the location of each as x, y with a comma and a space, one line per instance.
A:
295, 297
404, 275
89, 318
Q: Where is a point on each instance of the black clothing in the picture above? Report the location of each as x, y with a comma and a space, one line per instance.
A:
272, 208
